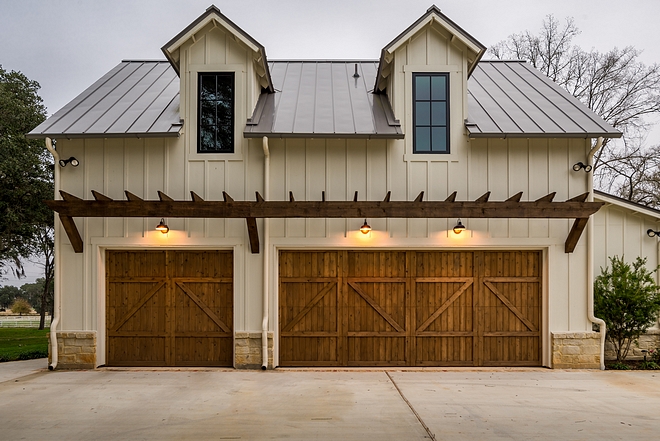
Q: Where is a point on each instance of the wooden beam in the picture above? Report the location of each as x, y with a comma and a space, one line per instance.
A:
580, 198
355, 197
100, 197
226, 197
420, 197
133, 198
387, 196
259, 197
451, 197
69, 197
291, 198
328, 209
484, 197
163, 197
253, 234
72, 232
195, 197
547, 198
516, 197
575, 233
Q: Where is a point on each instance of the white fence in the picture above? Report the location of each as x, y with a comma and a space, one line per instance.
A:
25, 321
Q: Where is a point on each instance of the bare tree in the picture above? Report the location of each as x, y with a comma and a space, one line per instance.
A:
44, 250
614, 84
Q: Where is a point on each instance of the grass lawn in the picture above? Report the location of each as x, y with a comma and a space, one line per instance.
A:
23, 343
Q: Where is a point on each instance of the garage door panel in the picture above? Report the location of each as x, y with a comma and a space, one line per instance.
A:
301, 351
376, 307
156, 319
424, 308
444, 351
126, 351
376, 351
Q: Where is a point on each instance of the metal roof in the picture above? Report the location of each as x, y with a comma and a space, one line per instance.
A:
136, 98
323, 99
630, 205
513, 99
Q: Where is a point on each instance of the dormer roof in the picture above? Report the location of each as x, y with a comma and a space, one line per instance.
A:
433, 16
207, 21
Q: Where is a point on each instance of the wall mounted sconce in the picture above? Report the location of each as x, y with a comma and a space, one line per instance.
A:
459, 227
580, 165
365, 228
652, 233
73, 161
162, 227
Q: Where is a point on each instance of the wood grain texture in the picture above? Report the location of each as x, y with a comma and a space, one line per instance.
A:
169, 308
410, 308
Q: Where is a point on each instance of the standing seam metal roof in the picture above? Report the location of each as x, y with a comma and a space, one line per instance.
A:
322, 99
136, 98
513, 99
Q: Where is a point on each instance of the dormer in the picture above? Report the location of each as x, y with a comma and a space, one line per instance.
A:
424, 73
223, 71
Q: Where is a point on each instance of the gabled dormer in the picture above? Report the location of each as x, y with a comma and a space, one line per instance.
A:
424, 73
223, 70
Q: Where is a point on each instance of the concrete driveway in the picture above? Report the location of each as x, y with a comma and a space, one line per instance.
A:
453, 404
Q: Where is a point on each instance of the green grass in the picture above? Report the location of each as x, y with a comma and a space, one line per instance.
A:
23, 343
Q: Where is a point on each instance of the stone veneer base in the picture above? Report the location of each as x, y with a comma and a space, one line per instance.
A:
75, 350
576, 350
247, 350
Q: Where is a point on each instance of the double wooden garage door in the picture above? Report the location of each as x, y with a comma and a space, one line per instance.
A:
169, 308
410, 308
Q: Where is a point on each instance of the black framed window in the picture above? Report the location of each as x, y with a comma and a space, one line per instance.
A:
216, 113
431, 112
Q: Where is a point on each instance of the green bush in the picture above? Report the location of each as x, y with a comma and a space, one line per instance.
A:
627, 298
649, 365
618, 366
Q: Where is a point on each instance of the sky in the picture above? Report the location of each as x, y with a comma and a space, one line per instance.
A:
66, 45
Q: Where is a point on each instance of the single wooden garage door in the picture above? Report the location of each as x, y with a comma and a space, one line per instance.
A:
169, 308
410, 308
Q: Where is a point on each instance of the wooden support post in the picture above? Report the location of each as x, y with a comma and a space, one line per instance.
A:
253, 234
72, 232
574, 235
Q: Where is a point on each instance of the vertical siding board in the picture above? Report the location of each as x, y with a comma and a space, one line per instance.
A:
296, 173
197, 181
418, 179
336, 181
519, 177
215, 182
539, 171
315, 157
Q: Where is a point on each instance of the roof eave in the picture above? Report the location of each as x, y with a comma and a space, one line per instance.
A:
174, 134
503, 135
324, 135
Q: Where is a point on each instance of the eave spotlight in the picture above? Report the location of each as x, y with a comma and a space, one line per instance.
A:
580, 165
365, 228
162, 227
459, 227
652, 233
73, 161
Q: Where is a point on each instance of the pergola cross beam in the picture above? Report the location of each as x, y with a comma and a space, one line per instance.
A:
543, 208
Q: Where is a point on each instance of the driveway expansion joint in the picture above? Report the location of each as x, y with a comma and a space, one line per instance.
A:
419, 418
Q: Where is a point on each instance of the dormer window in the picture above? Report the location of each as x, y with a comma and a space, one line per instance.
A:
431, 112
216, 113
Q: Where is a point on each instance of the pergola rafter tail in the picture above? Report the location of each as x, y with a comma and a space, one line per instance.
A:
102, 206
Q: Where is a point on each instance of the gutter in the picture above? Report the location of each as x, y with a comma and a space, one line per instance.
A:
590, 261
264, 320
56, 294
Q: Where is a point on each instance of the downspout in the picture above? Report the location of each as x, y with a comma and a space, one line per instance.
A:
55, 320
590, 260
266, 252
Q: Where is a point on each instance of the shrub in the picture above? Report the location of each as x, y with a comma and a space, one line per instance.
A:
21, 306
618, 366
627, 298
649, 365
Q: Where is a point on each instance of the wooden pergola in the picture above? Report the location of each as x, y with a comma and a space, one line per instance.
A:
102, 206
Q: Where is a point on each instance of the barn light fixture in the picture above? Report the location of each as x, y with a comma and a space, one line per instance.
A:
652, 233
580, 165
162, 226
73, 161
365, 228
459, 226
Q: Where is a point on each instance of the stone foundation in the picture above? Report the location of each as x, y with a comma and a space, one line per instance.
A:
650, 340
576, 350
75, 350
247, 350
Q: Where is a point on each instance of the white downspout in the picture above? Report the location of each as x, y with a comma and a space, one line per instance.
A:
266, 251
590, 260
55, 320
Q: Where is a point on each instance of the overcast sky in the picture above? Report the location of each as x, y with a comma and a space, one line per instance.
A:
66, 45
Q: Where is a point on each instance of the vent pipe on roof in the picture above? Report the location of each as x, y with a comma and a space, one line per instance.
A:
356, 74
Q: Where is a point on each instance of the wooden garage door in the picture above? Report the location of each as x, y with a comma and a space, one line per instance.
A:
169, 308
410, 308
